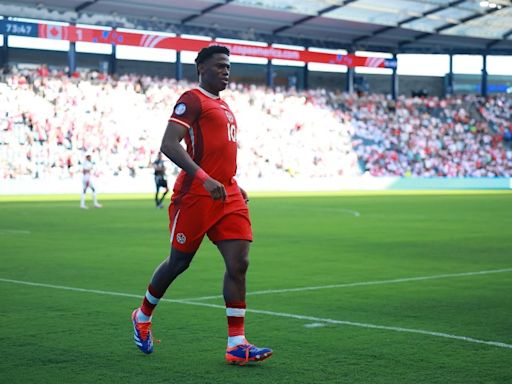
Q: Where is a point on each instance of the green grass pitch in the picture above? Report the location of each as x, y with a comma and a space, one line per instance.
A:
346, 288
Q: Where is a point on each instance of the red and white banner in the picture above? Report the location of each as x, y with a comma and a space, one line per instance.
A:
73, 33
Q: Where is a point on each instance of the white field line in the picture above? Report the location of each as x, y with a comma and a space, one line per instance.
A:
277, 314
314, 325
359, 284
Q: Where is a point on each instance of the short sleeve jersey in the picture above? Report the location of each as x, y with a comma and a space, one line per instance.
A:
210, 139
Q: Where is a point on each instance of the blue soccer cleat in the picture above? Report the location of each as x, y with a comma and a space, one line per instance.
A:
142, 334
244, 353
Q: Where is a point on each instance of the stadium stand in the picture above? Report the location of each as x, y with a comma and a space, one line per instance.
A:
49, 120
458, 136
293, 122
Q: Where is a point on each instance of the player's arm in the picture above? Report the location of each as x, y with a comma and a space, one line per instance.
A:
172, 148
244, 194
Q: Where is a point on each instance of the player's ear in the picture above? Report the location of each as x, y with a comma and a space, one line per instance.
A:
200, 68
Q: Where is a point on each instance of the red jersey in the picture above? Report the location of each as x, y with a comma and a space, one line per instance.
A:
210, 138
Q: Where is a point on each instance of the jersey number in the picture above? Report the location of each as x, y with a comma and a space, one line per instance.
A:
231, 132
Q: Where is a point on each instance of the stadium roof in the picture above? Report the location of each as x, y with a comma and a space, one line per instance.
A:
413, 26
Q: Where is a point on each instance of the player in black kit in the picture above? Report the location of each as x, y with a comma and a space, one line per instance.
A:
160, 180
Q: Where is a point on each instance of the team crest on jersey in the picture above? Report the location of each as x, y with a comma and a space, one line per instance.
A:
180, 109
230, 117
181, 238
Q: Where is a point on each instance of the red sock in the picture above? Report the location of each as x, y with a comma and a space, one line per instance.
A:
150, 301
235, 312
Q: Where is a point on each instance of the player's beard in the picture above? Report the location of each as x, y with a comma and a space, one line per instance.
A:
223, 84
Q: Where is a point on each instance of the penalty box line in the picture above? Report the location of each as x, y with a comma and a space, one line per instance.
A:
275, 314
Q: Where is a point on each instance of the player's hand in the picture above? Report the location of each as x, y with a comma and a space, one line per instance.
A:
244, 195
215, 189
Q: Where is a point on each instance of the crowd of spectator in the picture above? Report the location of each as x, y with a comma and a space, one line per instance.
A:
49, 121
459, 136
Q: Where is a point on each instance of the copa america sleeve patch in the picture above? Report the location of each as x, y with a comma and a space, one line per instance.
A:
180, 109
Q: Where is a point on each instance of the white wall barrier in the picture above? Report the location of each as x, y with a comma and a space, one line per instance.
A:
144, 183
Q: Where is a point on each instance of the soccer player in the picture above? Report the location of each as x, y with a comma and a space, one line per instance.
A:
160, 180
87, 167
206, 200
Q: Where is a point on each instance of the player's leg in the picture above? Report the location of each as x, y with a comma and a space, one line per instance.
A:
94, 198
161, 201
187, 232
164, 275
236, 259
85, 185
157, 185
170, 269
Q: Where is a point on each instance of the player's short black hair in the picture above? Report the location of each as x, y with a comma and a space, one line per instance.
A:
208, 52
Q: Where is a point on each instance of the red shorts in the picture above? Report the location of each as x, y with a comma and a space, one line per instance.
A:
193, 216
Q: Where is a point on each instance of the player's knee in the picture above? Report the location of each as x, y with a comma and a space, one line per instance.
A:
179, 266
244, 263
179, 263
182, 266
239, 268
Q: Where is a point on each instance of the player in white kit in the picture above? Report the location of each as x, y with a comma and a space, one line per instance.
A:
87, 167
